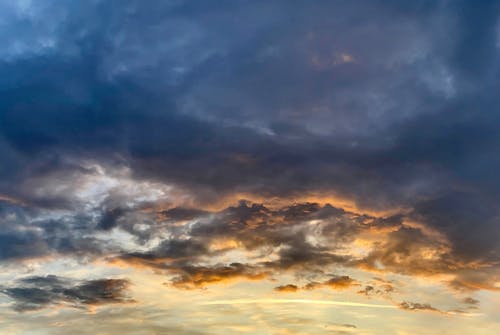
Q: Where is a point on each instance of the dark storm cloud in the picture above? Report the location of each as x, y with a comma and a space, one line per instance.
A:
168, 251
307, 240
181, 214
21, 245
386, 104
110, 218
96, 90
255, 228
34, 293
455, 213
30, 233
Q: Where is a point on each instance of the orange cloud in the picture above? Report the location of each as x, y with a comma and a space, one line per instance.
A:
287, 288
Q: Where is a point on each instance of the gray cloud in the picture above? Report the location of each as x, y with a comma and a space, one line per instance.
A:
33, 293
389, 105
328, 136
415, 306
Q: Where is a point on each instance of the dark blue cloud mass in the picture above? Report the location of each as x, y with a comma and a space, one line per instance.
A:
389, 104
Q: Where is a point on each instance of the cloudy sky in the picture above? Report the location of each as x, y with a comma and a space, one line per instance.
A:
249, 167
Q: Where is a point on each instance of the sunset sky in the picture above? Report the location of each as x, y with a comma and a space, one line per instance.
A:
267, 167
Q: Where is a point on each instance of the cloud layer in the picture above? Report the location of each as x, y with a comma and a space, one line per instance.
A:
34, 293
325, 145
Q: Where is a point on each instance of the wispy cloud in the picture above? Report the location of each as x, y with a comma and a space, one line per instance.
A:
295, 301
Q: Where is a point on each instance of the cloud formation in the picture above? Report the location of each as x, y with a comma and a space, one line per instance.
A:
363, 136
415, 306
33, 293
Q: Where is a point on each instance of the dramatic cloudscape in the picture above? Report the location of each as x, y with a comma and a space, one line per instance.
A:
273, 167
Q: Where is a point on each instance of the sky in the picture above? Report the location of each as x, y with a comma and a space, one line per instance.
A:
263, 167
